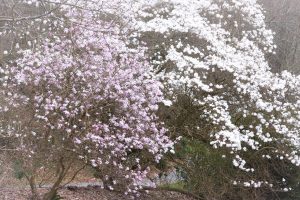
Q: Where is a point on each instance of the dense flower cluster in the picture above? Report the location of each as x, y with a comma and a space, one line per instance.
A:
88, 87
217, 50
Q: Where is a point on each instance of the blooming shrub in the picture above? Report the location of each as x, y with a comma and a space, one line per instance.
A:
215, 52
87, 92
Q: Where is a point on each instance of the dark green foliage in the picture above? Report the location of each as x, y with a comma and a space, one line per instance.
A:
204, 170
18, 169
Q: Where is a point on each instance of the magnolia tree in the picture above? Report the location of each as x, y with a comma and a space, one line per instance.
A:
85, 95
215, 51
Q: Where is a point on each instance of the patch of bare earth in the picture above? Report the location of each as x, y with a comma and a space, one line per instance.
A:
14, 189
91, 193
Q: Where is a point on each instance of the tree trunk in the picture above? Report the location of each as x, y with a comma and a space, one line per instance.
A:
53, 191
34, 193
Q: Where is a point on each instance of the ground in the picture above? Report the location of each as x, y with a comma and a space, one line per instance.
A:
91, 193
83, 187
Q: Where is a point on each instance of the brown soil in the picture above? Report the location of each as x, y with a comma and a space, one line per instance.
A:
14, 189
92, 194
